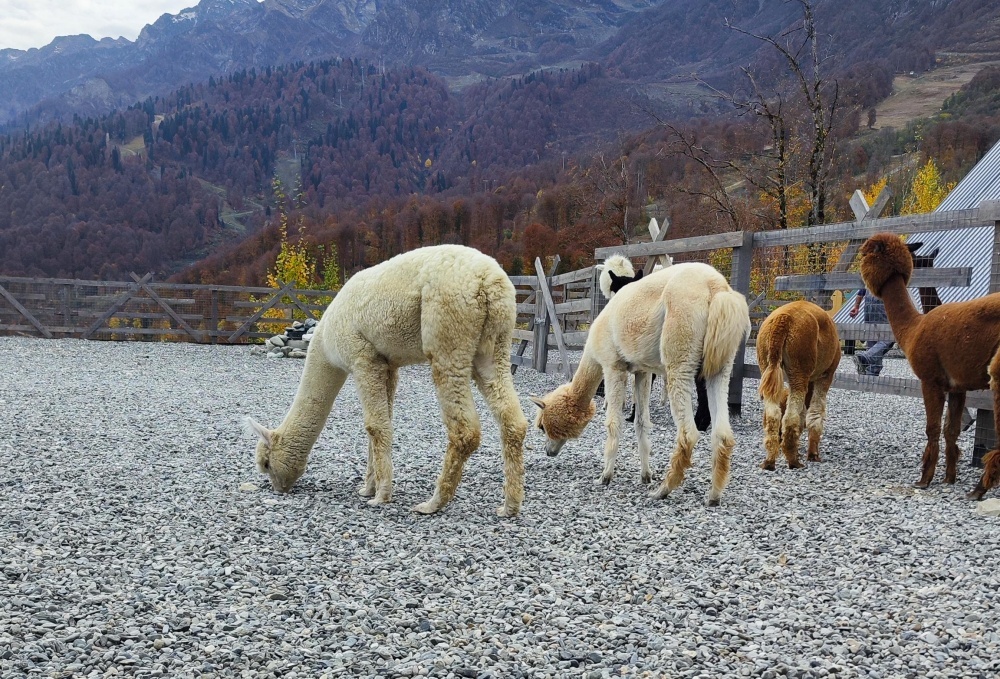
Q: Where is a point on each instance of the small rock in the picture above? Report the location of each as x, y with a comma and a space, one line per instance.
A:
249, 487
278, 341
989, 507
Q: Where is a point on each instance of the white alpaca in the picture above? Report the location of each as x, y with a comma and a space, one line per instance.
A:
670, 322
448, 305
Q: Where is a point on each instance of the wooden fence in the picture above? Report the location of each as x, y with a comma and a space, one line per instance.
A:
142, 309
554, 311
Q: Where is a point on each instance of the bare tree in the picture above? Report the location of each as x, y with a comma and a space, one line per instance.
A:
799, 48
613, 193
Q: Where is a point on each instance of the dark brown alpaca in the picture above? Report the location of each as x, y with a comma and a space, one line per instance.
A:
952, 349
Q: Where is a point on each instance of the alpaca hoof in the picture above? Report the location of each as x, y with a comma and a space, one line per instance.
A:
366, 490
507, 512
378, 500
769, 466
921, 484
795, 465
605, 479
950, 478
646, 477
976, 493
713, 502
661, 493
428, 507
814, 458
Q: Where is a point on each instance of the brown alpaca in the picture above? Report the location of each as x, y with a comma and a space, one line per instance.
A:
801, 341
952, 349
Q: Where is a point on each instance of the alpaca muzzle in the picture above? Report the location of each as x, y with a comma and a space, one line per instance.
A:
553, 446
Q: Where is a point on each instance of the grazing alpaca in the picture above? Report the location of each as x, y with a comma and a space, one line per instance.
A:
801, 341
952, 349
671, 322
448, 305
616, 273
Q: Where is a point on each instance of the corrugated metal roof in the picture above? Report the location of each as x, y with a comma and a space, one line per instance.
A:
961, 247
982, 183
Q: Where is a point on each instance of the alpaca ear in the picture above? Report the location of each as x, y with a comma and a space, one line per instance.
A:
537, 401
254, 428
913, 247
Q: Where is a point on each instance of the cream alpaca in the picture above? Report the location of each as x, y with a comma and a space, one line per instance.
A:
448, 305
669, 322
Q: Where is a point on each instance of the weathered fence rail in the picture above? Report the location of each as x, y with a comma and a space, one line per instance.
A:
143, 309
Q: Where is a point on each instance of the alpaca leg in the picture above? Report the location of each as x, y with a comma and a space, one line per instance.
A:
462, 422
991, 462
498, 390
367, 488
773, 411
679, 384
643, 424
791, 422
615, 384
816, 413
933, 409
371, 378
952, 428
702, 415
723, 441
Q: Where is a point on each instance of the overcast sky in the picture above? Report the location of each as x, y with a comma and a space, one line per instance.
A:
34, 23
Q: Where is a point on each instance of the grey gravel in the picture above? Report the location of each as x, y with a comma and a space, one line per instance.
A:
136, 538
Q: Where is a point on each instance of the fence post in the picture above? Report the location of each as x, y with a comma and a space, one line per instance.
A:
740, 281
986, 436
540, 339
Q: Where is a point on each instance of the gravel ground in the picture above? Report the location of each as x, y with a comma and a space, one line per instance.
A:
130, 543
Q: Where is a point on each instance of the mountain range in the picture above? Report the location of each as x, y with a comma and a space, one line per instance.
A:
645, 43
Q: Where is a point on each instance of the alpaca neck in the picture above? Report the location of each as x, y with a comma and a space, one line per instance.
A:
587, 378
318, 389
903, 315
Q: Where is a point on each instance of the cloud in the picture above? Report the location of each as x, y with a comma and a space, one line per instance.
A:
36, 22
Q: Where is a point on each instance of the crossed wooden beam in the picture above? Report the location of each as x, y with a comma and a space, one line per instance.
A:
140, 284
24, 312
285, 289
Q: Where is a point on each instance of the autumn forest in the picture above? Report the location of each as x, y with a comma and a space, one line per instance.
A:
347, 157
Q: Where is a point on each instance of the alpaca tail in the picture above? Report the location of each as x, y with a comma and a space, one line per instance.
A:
772, 383
728, 326
991, 470
620, 265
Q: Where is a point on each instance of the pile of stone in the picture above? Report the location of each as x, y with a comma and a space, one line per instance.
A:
293, 343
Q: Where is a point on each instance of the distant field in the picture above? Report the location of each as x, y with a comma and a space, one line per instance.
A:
921, 96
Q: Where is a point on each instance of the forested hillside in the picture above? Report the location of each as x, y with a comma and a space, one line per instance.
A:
145, 189
381, 160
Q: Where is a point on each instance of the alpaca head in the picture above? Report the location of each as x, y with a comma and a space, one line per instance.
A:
616, 272
562, 416
272, 460
619, 282
883, 256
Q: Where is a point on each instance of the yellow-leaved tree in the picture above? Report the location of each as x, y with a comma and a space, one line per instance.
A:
295, 265
926, 190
